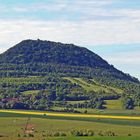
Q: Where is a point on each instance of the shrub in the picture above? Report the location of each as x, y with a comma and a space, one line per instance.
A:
85, 111
109, 133
100, 133
31, 135
18, 135
63, 134
90, 133
82, 133
56, 134
75, 133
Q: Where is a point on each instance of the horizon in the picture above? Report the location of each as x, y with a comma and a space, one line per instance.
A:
109, 28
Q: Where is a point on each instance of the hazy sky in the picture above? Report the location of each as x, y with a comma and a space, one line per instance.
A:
110, 28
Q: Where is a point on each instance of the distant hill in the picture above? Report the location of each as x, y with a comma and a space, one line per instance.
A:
38, 51
45, 75
37, 56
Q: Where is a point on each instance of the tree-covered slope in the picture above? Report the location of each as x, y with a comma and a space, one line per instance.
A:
37, 57
45, 75
37, 51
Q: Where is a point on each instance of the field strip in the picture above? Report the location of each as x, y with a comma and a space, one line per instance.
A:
72, 115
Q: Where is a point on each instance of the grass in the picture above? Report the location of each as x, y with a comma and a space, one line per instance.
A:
113, 104
12, 126
117, 120
13, 123
110, 104
134, 112
98, 116
75, 102
77, 138
107, 121
114, 118
96, 138
31, 92
93, 86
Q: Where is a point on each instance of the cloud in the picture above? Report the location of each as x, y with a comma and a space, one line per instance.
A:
82, 9
71, 10
126, 61
34, 6
81, 33
40, 7
129, 58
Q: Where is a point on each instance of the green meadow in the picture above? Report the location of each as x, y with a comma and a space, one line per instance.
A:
12, 127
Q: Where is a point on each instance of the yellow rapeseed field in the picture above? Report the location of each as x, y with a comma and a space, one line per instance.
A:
72, 115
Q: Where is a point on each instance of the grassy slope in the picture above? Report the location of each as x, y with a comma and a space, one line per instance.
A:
107, 111
94, 86
32, 92
109, 104
113, 104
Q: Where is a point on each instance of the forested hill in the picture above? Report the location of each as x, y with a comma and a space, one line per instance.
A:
37, 56
42, 75
38, 51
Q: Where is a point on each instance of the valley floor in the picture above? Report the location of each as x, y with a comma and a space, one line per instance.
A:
13, 123
78, 138
72, 115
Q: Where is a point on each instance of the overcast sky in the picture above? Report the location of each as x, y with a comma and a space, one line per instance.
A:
110, 28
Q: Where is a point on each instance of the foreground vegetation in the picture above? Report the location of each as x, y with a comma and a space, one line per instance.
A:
78, 138
96, 138
46, 126
65, 94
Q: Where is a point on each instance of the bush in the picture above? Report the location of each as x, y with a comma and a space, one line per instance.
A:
49, 134
43, 135
110, 133
100, 133
82, 133
31, 135
18, 135
63, 134
85, 112
90, 133
75, 133
56, 134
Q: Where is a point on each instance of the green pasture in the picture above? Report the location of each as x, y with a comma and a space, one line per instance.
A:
96, 138
12, 124
93, 86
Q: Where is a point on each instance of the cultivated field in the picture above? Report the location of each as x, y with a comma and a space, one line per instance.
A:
13, 123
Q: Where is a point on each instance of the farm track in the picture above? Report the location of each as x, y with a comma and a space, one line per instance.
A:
72, 115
